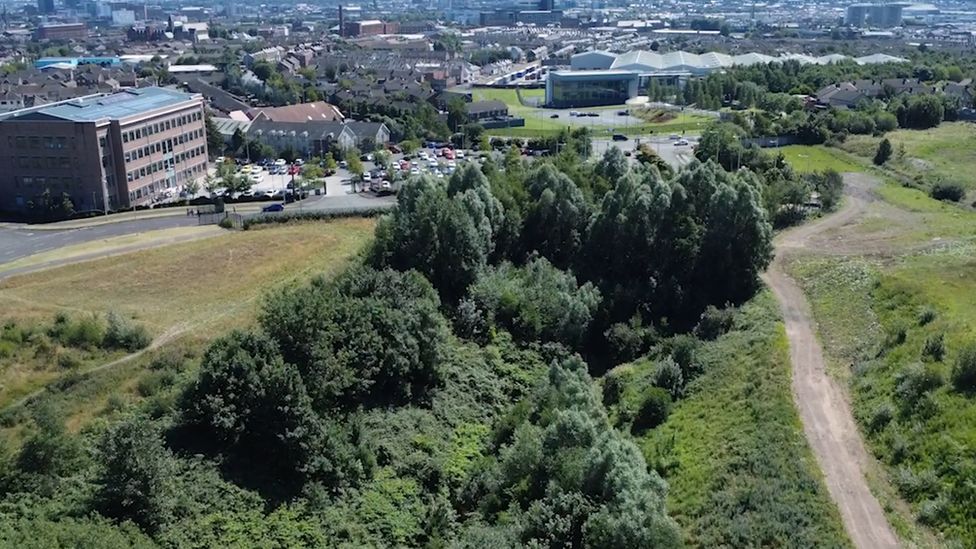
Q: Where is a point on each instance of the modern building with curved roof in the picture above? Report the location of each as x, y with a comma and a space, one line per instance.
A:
600, 77
650, 62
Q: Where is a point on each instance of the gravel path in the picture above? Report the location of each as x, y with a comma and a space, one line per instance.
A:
826, 415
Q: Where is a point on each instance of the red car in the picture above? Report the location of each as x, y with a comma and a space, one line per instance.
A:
294, 169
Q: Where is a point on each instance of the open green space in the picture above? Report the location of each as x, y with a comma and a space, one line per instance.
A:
943, 153
539, 124
895, 325
733, 450
809, 159
192, 290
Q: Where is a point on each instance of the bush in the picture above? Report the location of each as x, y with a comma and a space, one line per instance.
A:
881, 417
964, 370
914, 384
948, 191
85, 333
883, 153
123, 334
714, 322
926, 316
934, 348
668, 377
653, 411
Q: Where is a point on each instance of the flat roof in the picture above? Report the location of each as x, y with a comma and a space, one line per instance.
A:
592, 74
124, 104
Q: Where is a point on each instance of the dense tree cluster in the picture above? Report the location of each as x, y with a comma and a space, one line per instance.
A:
352, 415
566, 478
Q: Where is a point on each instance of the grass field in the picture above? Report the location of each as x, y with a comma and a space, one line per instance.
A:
876, 315
733, 450
193, 291
807, 159
945, 152
538, 123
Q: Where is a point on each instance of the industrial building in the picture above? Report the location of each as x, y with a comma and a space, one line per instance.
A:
61, 31
604, 78
121, 149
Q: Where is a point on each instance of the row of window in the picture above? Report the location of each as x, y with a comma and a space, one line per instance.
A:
42, 162
165, 146
152, 188
161, 126
62, 183
162, 165
36, 142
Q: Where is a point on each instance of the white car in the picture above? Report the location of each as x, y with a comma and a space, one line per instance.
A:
257, 177
280, 162
680, 142
459, 154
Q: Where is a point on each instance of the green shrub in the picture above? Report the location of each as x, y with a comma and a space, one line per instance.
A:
914, 384
948, 191
86, 332
964, 370
714, 322
916, 485
668, 377
881, 417
154, 382
927, 315
934, 348
225, 223
67, 360
653, 411
123, 334
613, 388
7, 348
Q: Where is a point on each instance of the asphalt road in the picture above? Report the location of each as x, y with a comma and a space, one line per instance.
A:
21, 241
17, 242
676, 156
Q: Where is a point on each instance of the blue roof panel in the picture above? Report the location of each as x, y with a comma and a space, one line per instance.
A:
116, 106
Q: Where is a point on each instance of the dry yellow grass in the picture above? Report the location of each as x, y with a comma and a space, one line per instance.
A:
192, 291
191, 282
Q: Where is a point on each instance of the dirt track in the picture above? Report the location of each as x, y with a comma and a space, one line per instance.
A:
826, 415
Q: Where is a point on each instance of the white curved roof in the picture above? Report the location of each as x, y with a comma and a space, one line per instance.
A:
649, 61
879, 58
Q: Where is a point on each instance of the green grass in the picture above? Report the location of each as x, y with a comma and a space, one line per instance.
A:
733, 450
808, 159
198, 289
539, 124
945, 152
868, 315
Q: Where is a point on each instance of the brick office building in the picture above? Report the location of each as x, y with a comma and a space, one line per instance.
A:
122, 149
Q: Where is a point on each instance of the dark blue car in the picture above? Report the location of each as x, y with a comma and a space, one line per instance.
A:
273, 208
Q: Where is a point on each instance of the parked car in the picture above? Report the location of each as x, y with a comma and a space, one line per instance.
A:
273, 208
623, 113
280, 162
553, 116
294, 169
680, 142
619, 137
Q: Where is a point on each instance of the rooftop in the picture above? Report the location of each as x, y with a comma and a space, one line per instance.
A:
124, 104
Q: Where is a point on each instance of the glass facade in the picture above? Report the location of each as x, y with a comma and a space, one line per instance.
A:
591, 91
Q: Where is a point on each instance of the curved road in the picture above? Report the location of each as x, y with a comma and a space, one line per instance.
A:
826, 415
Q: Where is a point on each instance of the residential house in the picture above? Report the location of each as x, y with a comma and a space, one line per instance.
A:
485, 110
